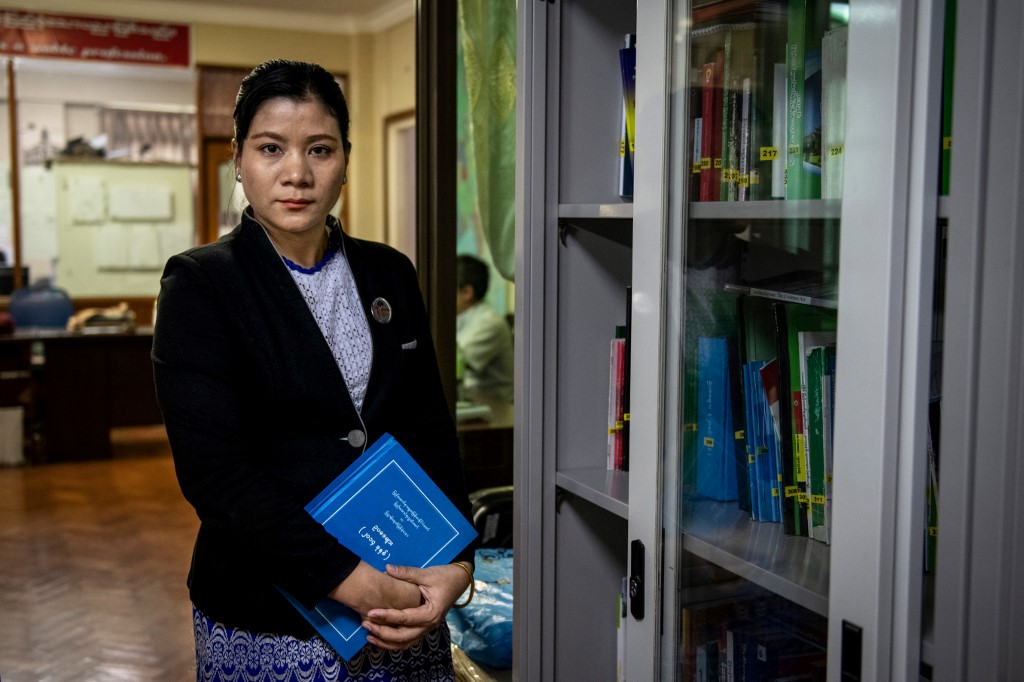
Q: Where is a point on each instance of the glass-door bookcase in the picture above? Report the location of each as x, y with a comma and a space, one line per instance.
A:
763, 88
794, 347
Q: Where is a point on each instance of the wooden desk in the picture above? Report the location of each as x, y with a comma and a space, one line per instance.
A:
486, 446
76, 387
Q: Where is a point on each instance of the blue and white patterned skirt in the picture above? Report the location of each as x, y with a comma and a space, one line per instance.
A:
224, 654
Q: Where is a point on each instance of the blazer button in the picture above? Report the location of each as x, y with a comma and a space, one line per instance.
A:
356, 438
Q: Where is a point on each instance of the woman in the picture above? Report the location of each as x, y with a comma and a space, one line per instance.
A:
280, 352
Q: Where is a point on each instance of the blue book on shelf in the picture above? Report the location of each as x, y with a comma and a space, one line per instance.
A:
753, 441
716, 449
759, 418
386, 509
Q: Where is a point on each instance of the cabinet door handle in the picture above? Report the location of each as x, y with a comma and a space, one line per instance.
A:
852, 647
636, 579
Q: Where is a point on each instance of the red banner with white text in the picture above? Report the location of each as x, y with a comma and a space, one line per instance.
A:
103, 39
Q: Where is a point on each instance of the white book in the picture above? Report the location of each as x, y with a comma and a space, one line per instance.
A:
833, 111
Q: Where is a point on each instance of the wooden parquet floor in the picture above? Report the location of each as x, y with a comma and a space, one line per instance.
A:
93, 560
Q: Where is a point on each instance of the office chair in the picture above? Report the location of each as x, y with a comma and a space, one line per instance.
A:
40, 305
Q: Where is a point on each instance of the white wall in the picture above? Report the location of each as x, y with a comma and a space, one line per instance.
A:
57, 101
118, 223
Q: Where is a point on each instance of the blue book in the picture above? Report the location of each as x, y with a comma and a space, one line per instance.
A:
753, 439
716, 448
760, 454
770, 395
386, 510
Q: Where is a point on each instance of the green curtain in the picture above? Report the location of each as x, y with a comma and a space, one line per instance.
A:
487, 30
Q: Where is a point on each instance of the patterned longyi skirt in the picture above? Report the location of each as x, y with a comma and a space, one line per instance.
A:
225, 654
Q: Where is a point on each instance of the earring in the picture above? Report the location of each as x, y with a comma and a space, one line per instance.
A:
238, 177
344, 179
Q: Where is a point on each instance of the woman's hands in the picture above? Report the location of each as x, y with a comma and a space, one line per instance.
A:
401, 627
366, 588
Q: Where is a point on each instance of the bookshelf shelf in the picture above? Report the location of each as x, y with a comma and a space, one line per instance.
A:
792, 567
623, 211
608, 490
809, 209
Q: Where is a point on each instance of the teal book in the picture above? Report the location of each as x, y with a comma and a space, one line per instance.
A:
386, 510
716, 442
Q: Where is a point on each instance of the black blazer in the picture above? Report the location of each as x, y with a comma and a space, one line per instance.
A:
259, 417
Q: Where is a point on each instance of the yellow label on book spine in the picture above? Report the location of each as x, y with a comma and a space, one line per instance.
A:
817, 499
705, 163
769, 153
695, 168
739, 435
622, 147
933, 531
625, 417
690, 427
791, 491
799, 472
775, 492
718, 163
762, 449
794, 149
802, 498
618, 426
709, 442
947, 142
835, 150
744, 180
750, 459
828, 478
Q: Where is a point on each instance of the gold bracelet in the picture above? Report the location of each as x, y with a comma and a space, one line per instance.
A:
472, 583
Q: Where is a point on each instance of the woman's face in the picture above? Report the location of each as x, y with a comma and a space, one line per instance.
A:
292, 165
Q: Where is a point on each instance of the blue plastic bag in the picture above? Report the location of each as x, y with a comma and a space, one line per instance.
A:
483, 629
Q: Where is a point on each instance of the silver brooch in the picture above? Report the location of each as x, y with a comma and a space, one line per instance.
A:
381, 310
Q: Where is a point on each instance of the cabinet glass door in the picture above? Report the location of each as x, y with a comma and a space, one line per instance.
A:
757, 134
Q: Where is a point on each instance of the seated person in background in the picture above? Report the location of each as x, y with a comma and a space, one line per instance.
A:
483, 337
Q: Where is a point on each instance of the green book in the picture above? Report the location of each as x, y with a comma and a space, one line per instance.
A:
948, 63
815, 348
807, 23
791, 319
